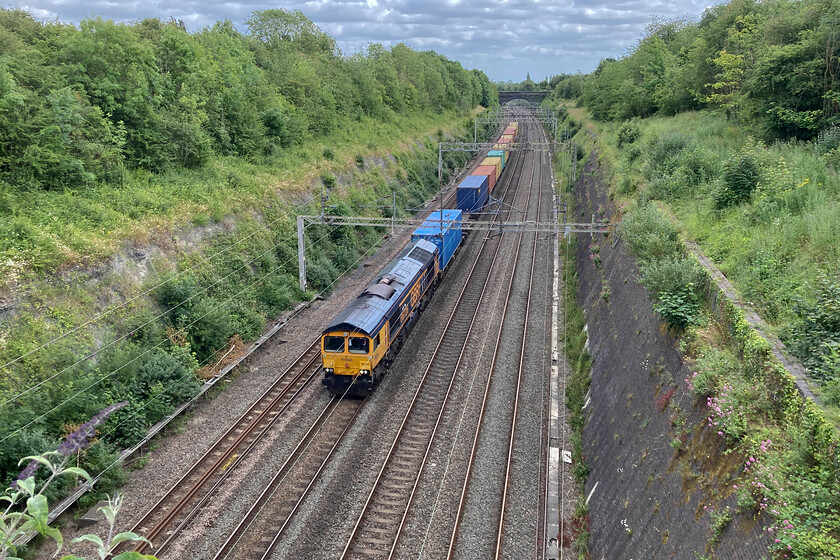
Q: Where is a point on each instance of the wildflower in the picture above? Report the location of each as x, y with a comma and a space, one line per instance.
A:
78, 440
30, 470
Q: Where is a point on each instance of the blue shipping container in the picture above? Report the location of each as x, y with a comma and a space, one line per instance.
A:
472, 193
498, 154
446, 233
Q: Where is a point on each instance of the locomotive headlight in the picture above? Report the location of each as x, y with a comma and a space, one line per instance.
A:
328, 370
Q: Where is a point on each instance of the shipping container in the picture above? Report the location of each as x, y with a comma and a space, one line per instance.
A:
514, 124
472, 193
506, 138
445, 233
499, 154
490, 171
501, 148
497, 162
509, 132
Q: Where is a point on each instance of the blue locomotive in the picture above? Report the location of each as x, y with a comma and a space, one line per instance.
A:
359, 345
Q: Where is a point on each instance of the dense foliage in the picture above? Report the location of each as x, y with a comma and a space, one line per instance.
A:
82, 105
150, 353
109, 125
754, 182
768, 216
774, 66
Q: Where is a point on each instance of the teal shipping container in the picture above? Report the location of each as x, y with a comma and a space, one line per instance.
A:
498, 154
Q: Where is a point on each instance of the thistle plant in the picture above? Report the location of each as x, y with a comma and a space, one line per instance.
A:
26, 507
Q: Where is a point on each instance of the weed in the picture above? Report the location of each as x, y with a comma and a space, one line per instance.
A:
720, 520
329, 180
664, 399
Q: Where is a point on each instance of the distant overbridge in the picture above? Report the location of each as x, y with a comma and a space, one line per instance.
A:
532, 96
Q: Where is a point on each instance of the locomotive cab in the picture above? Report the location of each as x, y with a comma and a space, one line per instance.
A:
348, 360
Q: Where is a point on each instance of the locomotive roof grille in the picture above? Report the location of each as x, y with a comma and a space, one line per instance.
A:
366, 313
419, 254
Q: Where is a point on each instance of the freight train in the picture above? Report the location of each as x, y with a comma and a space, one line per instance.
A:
474, 191
359, 345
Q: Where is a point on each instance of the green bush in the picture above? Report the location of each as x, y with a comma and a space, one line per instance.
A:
99, 459
164, 370
209, 327
828, 140
695, 167
329, 180
712, 365
680, 308
741, 175
174, 294
649, 234
629, 133
664, 152
815, 336
670, 273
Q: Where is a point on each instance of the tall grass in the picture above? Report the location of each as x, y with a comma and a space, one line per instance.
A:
42, 230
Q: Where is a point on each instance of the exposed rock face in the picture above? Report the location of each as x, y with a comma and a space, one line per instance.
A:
657, 471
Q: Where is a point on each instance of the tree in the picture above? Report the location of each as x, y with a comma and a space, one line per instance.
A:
278, 26
727, 88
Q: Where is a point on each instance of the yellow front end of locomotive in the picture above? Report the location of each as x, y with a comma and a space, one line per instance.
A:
344, 362
349, 360
346, 353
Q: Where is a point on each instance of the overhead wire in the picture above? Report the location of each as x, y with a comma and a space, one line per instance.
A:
146, 292
147, 323
184, 376
145, 352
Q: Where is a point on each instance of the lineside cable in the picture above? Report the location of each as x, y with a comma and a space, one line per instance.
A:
183, 377
104, 314
246, 288
150, 321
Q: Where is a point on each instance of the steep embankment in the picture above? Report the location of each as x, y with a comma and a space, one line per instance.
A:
660, 482
178, 300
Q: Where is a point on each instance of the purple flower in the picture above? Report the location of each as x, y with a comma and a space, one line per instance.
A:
79, 439
76, 441
30, 470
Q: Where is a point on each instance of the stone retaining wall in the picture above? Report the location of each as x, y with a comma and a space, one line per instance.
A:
656, 468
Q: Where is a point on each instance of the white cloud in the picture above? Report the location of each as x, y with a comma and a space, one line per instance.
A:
505, 38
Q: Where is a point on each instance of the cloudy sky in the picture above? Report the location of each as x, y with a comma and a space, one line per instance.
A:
505, 38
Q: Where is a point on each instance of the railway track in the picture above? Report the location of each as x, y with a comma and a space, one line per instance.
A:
270, 515
183, 499
493, 369
382, 520
520, 371
273, 510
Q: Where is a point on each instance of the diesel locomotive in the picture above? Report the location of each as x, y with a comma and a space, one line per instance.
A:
360, 344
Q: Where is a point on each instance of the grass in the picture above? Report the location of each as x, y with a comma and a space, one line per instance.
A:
46, 230
223, 282
780, 249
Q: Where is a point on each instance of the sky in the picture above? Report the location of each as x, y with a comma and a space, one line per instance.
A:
507, 39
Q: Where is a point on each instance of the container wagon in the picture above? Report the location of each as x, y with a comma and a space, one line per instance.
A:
444, 230
473, 193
